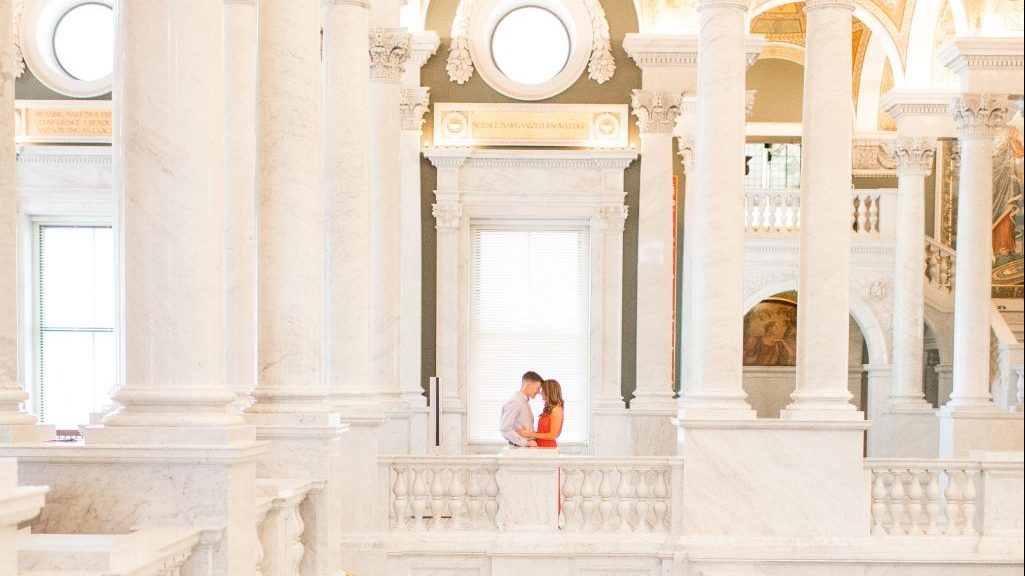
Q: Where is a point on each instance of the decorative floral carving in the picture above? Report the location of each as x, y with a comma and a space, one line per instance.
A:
979, 115
656, 110
413, 104
613, 217
601, 65
447, 215
19, 57
389, 50
459, 64
914, 155
870, 157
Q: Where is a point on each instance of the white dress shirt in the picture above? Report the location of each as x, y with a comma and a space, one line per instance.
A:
516, 414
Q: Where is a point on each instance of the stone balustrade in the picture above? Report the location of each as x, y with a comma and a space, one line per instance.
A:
466, 493
873, 212
939, 266
280, 524
625, 495
942, 497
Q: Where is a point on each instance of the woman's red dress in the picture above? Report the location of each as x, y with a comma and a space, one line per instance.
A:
544, 426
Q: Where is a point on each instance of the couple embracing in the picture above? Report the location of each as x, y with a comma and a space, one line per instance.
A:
517, 425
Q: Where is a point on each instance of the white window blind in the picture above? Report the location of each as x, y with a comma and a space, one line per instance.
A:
75, 310
529, 310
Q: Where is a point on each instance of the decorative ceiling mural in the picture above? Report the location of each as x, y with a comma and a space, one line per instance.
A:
995, 16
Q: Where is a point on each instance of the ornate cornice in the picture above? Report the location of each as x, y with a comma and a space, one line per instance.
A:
389, 51
979, 115
413, 105
613, 217
914, 155
656, 110
447, 215
660, 50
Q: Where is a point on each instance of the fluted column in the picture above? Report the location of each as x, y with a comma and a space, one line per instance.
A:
240, 195
714, 217
977, 118
914, 161
16, 425
169, 173
656, 112
389, 50
347, 206
823, 284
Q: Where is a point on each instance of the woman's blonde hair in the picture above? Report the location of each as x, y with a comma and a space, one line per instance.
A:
553, 395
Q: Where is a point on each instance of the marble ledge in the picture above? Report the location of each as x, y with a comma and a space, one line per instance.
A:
615, 156
772, 424
127, 453
299, 432
499, 543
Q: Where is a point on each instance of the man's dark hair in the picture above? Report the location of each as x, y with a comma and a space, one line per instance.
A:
532, 376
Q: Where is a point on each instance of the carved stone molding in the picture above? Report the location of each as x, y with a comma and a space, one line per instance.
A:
732, 4
447, 216
756, 280
872, 158
979, 115
685, 144
749, 103
389, 50
817, 4
18, 8
656, 110
613, 217
413, 105
914, 155
601, 66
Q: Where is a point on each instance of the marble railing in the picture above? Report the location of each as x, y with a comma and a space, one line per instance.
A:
466, 493
939, 265
626, 495
280, 525
873, 212
147, 551
948, 497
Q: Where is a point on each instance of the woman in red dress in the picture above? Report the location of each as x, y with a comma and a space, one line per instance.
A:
549, 425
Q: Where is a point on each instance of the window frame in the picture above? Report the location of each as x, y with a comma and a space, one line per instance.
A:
38, 27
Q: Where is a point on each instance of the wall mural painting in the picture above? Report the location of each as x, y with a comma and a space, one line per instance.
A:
1008, 208
770, 332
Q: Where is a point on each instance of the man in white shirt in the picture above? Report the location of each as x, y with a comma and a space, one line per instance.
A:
517, 413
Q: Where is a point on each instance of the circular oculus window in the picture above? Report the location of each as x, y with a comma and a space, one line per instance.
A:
530, 45
83, 42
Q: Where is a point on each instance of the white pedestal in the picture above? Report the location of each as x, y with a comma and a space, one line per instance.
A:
963, 429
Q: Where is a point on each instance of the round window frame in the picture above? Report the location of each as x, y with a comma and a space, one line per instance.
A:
38, 29
491, 39
574, 17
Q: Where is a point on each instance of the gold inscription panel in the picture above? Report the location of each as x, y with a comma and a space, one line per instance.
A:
583, 125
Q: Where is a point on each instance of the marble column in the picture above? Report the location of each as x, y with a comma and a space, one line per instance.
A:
717, 235
656, 112
346, 186
389, 50
914, 162
240, 197
16, 425
978, 117
292, 411
823, 283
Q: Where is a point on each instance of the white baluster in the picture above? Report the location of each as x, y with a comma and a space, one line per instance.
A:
623, 494
968, 506
491, 505
587, 501
437, 499
953, 509
419, 498
862, 216
569, 502
473, 504
457, 499
873, 215
294, 531
797, 214
661, 501
400, 498
879, 493
748, 212
898, 507
605, 501
915, 503
778, 216
642, 502
789, 216
932, 501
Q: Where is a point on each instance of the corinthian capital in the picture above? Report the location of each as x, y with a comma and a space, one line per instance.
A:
914, 155
656, 110
447, 216
413, 104
389, 50
613, 217
979, 115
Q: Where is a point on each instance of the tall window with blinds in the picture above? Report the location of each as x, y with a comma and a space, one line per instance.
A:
74, 371
529, 310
